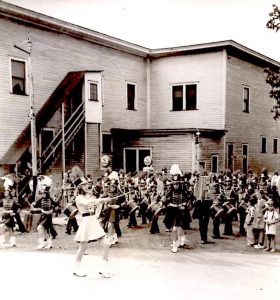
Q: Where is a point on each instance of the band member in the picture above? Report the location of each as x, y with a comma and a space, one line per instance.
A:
72, 223
141, 195
154, 199
202, 207
166, 206
113, 213
90, 229
225, 192
7, 223
130, 199
46, 205
175, 200
16, 208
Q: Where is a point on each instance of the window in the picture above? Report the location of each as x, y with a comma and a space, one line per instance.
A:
190, 96
263, 145
214, 163
275, 146
245, 158
177, 97
18, 76
230, 157
131, 96
93, 95
181, 92
246, 99
106, 143
134, 159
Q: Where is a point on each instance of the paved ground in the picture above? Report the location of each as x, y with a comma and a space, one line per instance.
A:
143, 267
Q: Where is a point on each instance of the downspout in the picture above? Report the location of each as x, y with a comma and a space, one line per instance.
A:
148, 93
224, 98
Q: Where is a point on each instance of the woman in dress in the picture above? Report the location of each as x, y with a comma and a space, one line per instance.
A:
90, 229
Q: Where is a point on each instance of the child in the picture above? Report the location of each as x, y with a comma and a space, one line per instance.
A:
258, 223
271, 217
249, 222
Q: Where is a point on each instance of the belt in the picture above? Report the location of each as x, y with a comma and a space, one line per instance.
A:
88, 214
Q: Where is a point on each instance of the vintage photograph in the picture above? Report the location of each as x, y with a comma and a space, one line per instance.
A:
140, 149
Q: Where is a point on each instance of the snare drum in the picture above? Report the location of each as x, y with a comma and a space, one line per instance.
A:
31, 220
133, 205
70, 211
229, 208
155, 208
216, 211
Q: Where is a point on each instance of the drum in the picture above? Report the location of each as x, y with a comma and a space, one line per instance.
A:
155, 208
70, 211
242, 207
31, 221
133, 206
229, 208
216, 211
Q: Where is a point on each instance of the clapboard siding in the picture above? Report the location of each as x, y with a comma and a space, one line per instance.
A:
93, 149
204, 69
53, 56
168, 150
248, 128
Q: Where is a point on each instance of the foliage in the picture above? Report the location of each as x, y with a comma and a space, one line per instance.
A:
273, 75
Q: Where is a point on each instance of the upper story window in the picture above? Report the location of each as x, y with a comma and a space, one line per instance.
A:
18, 77
93, 91
184, 97
190, 96
263, 145
246, 99
275, 146
131, 96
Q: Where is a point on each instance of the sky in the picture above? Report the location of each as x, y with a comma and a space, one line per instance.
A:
170, 23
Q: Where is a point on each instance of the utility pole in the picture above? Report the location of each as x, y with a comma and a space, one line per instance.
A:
32, 117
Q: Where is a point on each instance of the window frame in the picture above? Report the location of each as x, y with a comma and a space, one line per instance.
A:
102, 144
26, 79
245, 158
275, 149
217, 167
246, 102
135, 96
263, 138
137, 149
184, 95
92, 82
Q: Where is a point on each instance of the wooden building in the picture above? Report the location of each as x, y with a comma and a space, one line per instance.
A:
201, 106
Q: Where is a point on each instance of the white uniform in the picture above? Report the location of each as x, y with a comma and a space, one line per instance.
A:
90, 229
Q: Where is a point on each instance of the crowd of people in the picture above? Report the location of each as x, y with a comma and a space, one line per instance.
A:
142, 197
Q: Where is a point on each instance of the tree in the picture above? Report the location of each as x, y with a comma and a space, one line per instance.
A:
273, 74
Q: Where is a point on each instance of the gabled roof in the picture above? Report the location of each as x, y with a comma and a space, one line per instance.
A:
25, 16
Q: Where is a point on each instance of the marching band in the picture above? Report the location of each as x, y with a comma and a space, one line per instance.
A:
179, 198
